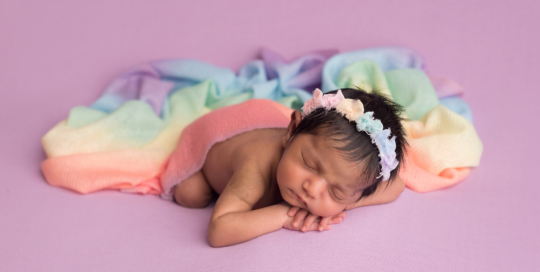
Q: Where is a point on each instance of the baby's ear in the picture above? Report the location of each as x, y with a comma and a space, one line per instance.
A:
296, 117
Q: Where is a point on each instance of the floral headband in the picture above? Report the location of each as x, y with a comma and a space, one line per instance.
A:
353, 110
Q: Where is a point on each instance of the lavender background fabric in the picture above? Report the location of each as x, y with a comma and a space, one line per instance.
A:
58, 54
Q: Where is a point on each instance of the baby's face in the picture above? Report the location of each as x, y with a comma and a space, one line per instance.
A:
313, 175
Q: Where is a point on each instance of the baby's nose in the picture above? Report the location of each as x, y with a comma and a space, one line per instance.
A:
314, 187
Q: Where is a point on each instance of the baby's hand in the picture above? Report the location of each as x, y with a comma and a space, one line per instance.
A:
303, 220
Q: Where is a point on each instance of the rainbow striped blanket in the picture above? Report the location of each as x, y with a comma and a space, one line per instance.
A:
125, 139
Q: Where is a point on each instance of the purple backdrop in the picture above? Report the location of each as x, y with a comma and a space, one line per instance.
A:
58, 54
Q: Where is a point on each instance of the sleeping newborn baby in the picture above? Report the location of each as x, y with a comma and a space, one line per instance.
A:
343, 151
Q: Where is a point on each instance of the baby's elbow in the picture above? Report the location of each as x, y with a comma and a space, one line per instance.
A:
215, 236
215, 241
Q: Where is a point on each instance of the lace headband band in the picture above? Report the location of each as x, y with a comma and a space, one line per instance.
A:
353, 110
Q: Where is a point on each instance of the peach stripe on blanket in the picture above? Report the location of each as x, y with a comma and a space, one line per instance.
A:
131, 170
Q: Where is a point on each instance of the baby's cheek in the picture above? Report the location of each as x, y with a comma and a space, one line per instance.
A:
290, 174
330, 209
281, 174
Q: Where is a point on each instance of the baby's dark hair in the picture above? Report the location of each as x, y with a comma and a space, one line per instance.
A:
357, 145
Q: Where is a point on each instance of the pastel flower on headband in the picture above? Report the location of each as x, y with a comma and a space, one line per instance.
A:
368, 124
319, 100
351, 109
387, 153
331, 101
313, 103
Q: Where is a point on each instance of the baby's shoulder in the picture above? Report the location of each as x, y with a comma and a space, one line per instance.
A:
261, 145
256, 152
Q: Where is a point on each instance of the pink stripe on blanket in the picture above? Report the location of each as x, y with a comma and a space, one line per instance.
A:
217, 126
420, 180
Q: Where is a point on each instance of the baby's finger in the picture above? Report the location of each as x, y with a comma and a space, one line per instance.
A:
337, 218
308, 222
292, 211
339, 215
299, 217
323, 225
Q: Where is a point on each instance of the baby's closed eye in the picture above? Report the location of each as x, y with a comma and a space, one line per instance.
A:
336, 195
307, 164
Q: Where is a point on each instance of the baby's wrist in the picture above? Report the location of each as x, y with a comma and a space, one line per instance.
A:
284, 209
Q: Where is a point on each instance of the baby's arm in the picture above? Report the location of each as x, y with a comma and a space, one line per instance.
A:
233, 221
383, 194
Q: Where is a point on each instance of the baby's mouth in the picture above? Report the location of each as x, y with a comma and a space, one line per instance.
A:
300, 199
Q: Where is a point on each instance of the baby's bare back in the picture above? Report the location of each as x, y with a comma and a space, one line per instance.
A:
260, 145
